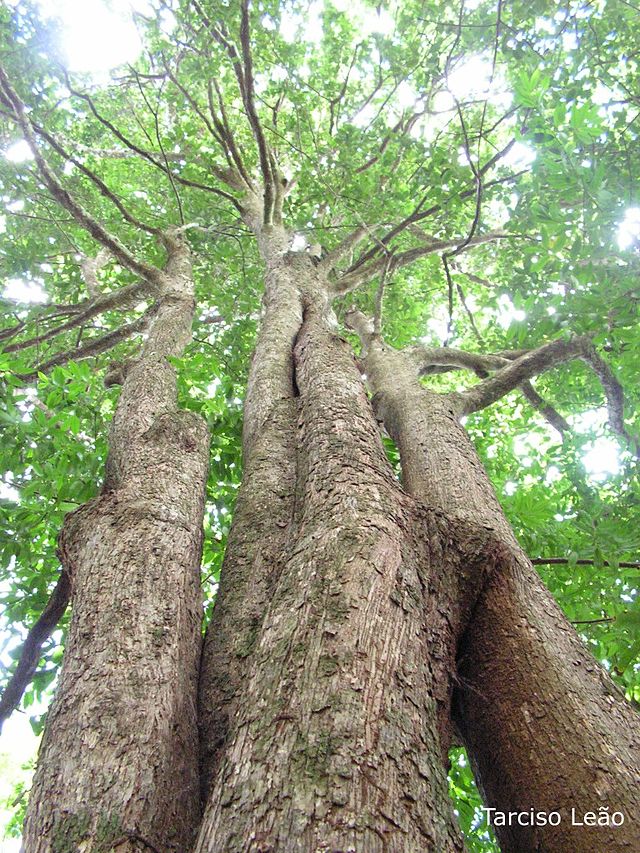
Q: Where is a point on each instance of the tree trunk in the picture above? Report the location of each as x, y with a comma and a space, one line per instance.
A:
263, 513
544, 724
336, 743
118, 762
546, 728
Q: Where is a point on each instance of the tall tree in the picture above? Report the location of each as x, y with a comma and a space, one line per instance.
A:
362, 622
130, 557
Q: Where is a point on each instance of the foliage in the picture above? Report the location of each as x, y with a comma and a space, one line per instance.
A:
515, 120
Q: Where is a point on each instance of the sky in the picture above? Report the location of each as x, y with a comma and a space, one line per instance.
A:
18, 745
98, 35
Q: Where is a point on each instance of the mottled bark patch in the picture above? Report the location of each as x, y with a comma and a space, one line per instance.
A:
335, 745
118, 761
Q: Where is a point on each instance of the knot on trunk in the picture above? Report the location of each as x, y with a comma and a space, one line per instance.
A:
117, 372
182, 430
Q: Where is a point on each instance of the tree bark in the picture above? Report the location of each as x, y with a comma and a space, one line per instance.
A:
117, 768
336, 743
545, 726
263, 513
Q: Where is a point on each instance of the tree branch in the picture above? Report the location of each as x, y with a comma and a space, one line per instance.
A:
243, 69
513, 374
63, 197
269, 176
149, 156
163, 153
99, 183
613, 392
563, 561
337, 100
443, 359
32, 647
235, 175
358, 275
228, 135
123, 298
94, 347
400, 129
514, 368
419, 212
343, 248
425, 358
547, 411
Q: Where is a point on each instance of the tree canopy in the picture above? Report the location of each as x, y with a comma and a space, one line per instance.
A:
469, 171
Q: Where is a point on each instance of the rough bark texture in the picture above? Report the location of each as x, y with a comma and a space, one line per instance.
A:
545, 726
118, 764
264, 510
335, 745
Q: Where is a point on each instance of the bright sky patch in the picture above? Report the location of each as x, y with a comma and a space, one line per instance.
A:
96, 35
18, 152
629, 229
21, 290
603, 459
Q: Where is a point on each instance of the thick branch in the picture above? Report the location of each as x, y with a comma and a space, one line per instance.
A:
512, 375
426, 358
518, 372
343, 248
12, 331
32, 647
547, 411
443, 359
361, 274
513, 370
362, 326
613, 392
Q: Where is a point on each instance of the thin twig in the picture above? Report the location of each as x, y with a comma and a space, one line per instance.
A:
563, 561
